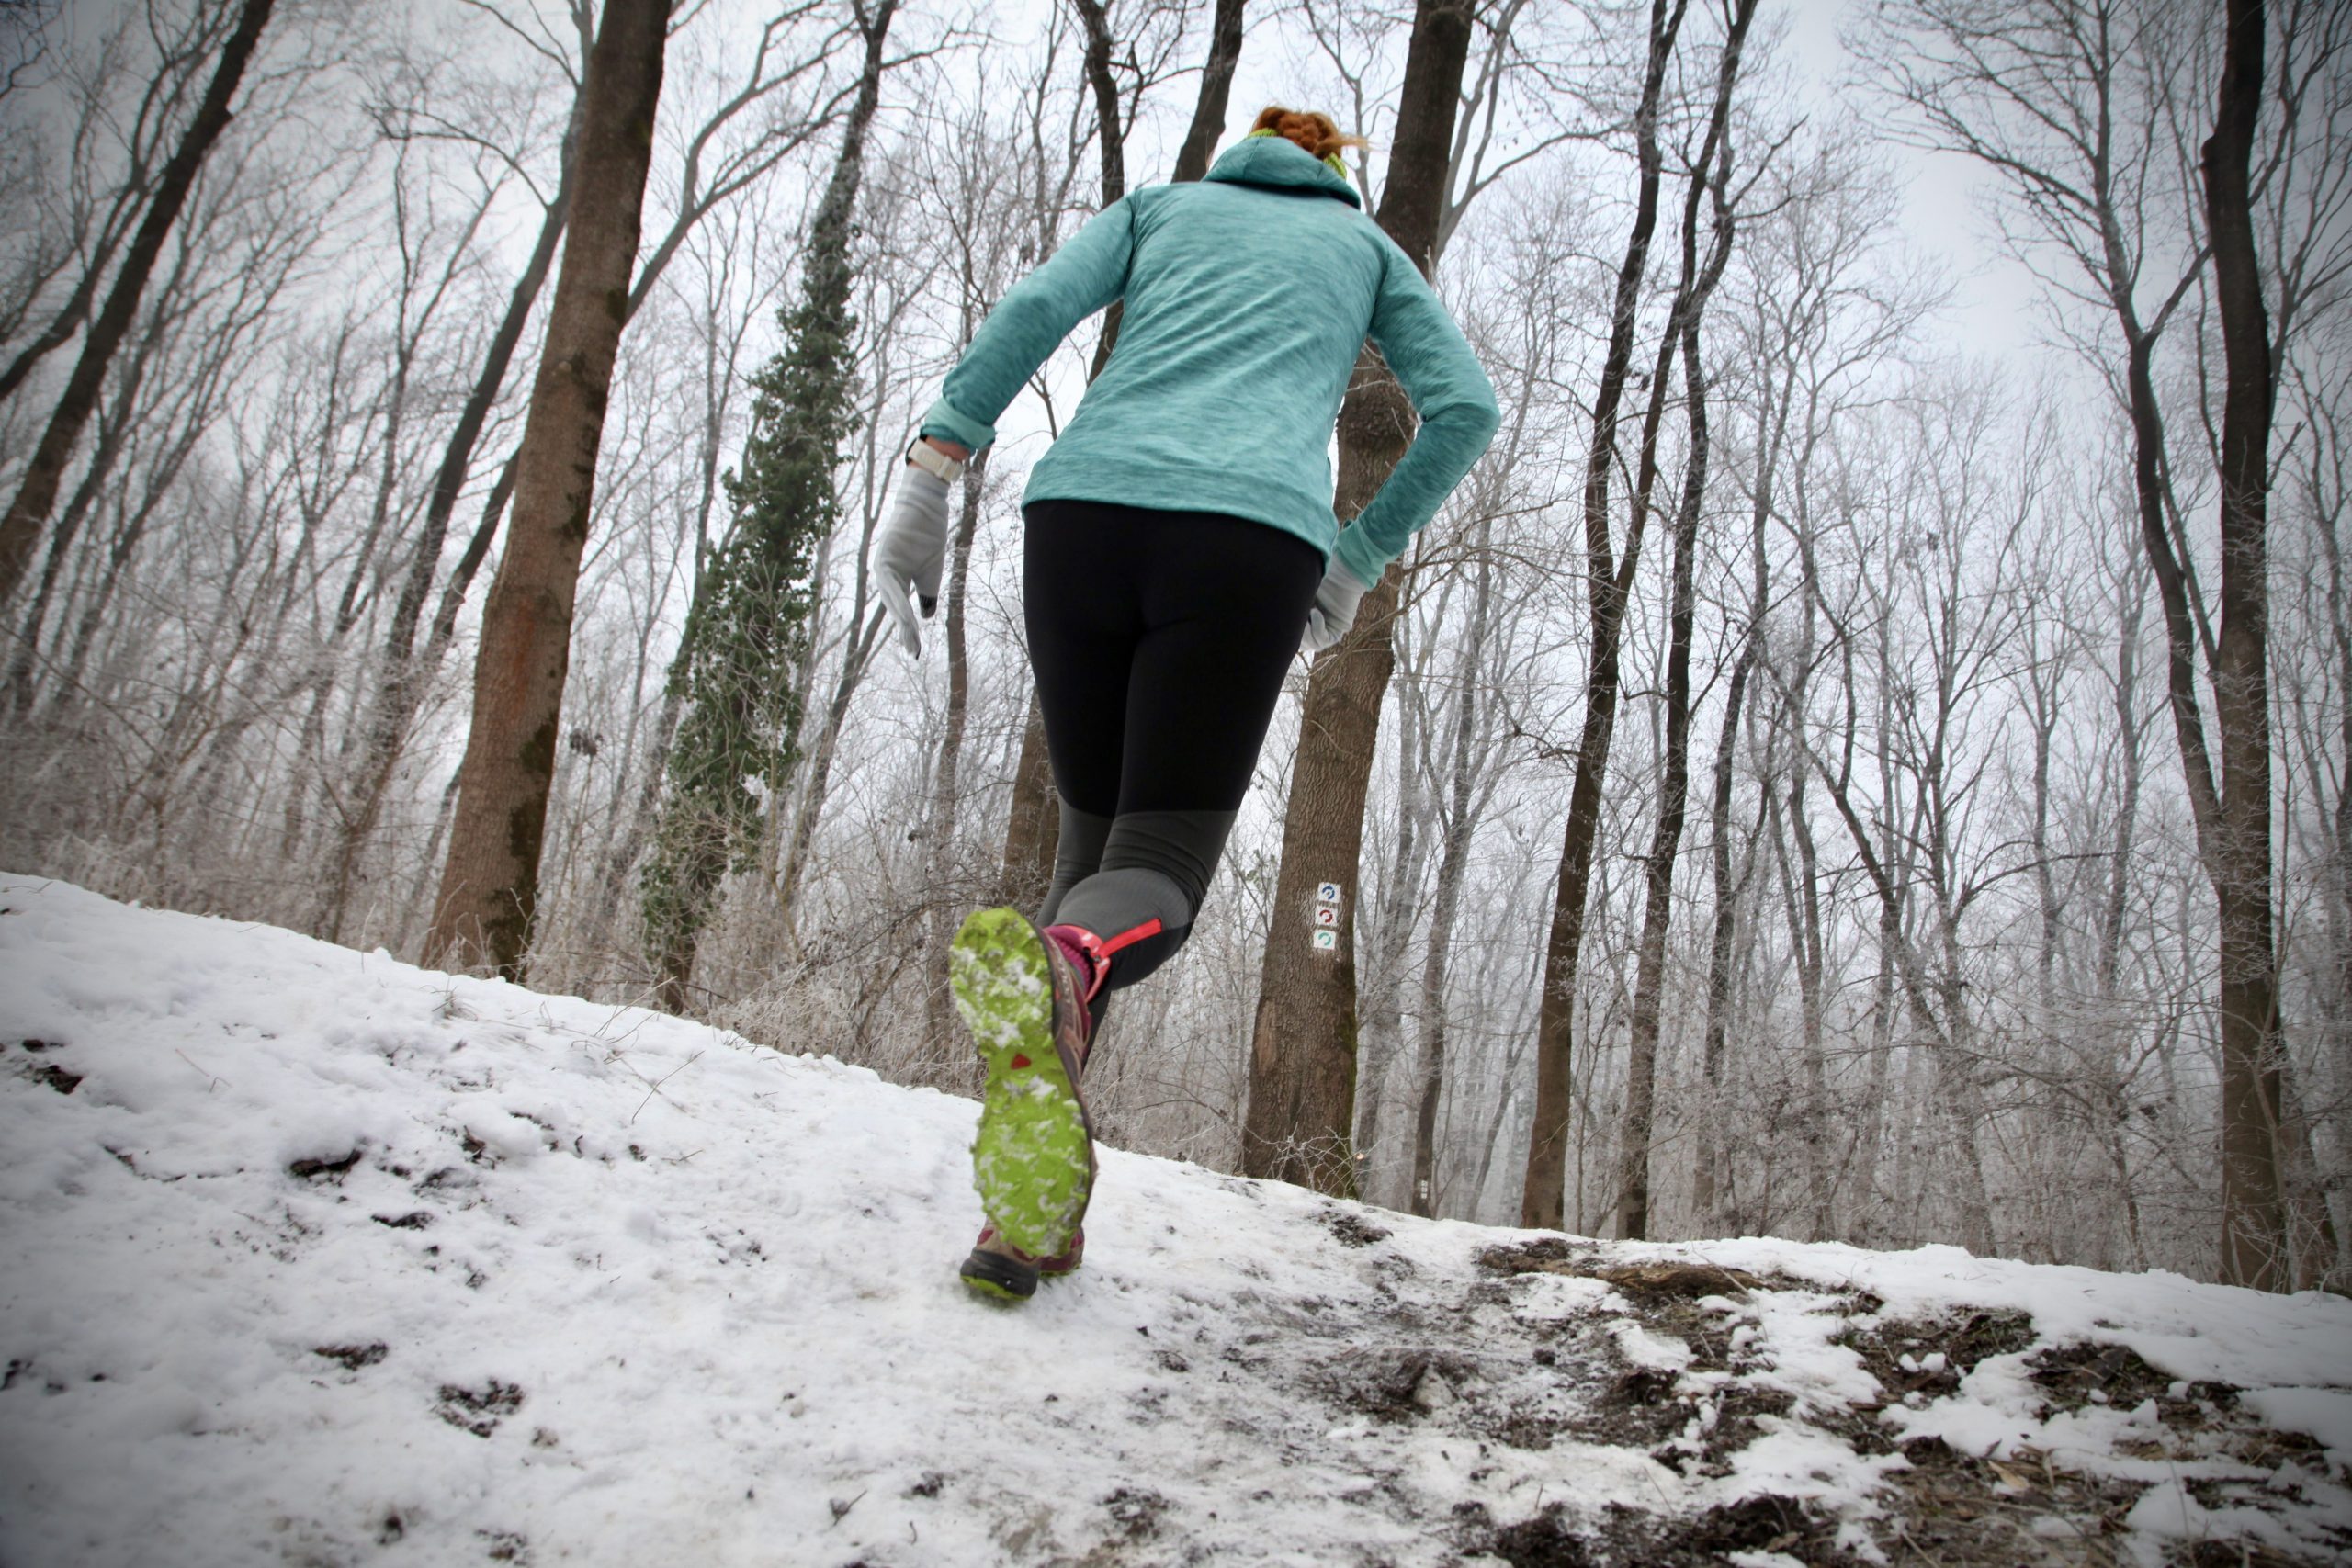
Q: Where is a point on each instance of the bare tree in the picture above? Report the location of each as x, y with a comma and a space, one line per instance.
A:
1543, 1188
489, 885
2071, 105
1710, 174
1302, 1077
37, 495
2235, 825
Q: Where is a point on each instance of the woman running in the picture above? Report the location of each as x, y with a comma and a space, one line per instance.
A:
1179, 547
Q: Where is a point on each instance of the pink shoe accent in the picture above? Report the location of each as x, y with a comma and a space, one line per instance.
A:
1091, 955
1129, 938
1086, 955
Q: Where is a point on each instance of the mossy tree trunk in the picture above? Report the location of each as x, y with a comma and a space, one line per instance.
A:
738, 669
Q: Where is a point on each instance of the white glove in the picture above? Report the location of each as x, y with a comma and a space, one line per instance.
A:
1335, 607
910, 549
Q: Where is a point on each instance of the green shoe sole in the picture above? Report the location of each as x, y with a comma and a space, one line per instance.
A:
1032, 1161
990, 1290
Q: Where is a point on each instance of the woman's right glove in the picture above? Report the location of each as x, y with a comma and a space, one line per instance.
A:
1335, 607
910, 549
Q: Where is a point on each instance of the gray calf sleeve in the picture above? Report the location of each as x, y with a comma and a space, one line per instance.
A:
1077, 855
1154, 865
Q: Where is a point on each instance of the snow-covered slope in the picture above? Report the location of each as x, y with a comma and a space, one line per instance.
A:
307, 1256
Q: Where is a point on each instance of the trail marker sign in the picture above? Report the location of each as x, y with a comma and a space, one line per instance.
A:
1327, 916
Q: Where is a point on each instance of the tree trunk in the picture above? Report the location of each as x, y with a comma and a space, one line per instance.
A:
1706, 1181
2253, 1221
2115, 1104
399, 690
940, 830
1544, 1188
858, 654
21, 529
112, 431
1454, 857
1032, 827
1381, 1037
1303, 1050
1666, 843
1110, 141
490, 884
1216, 87
77, 308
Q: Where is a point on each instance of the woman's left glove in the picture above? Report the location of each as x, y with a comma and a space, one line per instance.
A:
1335, 607
910, 550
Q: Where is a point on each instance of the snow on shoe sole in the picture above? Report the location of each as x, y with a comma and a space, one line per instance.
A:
1032, 1161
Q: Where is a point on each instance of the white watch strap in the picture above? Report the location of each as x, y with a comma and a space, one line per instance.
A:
931, 459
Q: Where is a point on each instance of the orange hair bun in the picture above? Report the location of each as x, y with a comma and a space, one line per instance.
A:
1314, 134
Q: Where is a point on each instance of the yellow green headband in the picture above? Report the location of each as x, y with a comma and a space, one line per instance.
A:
1332, 163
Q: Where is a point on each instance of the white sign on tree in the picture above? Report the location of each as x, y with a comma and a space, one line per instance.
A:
1326, 931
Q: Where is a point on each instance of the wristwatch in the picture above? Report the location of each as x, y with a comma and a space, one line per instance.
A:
931, 459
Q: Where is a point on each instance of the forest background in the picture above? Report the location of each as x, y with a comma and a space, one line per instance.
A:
1838, 769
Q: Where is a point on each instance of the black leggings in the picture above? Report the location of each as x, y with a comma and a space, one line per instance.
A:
1160, 640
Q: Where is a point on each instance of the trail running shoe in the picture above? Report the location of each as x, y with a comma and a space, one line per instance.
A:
996, 1267
1033, 1161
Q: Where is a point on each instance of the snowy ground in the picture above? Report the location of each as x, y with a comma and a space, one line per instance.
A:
307, 1256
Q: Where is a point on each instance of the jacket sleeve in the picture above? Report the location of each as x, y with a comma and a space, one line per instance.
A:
1456, 405
1084, 277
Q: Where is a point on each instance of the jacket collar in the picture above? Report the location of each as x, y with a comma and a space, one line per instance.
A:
1272, 160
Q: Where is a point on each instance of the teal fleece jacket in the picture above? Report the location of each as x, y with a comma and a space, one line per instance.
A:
1248, 296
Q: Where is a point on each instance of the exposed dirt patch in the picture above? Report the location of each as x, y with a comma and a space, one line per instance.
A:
49, 1073
1679, 1281
1928, 1358
1955, 1507
2076, 1375
477, 1410
56, 1078
1762, 1523
332, 1170
1543, 1541
1651, 1279
1399, 1384
504, 1546
1946, 1506
353, 1356
1627, 1538
1351, 1229
1544, 1255
1136, 1511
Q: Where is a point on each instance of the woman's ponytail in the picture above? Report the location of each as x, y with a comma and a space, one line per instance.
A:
1316, 134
